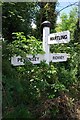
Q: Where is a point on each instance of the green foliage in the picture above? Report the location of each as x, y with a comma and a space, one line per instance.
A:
34, 91
24, 46
68, 22
26, 85
68, 72
19, 112
45, 11
17, 17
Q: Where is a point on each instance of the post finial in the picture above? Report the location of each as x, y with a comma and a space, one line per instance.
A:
46, 24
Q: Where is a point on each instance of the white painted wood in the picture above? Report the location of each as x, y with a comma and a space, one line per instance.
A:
54, 57
46, 47
17, 60
35, 59
60, 37
58, 57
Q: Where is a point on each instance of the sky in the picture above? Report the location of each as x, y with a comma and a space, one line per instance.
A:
63, 4
68, 0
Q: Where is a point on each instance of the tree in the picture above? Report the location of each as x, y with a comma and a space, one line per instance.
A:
70, 67
45, 12
17, 17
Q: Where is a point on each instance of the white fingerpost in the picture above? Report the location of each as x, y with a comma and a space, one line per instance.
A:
46, 47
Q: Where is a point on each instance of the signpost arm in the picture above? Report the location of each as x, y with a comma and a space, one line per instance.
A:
46, 47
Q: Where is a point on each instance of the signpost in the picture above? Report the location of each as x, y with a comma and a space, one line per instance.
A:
46, 31
58, 57
35, 59
17, 60
54, 38
54, 57
60, 37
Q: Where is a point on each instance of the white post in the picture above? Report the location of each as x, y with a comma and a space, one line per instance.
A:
46, 31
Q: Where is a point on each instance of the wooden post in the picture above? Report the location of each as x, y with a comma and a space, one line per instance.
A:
46, 47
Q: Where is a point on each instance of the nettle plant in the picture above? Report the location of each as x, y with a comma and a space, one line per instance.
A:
24, 46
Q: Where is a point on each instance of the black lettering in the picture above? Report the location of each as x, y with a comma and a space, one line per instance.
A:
37, 58
55, 57
58, 57
57, 37
29, 59
33, 59
64, 37
20, 60
52, 38
62, 57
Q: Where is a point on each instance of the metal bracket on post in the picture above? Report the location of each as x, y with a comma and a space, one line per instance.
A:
46, 31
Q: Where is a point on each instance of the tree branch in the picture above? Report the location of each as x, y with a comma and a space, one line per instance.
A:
66, 7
